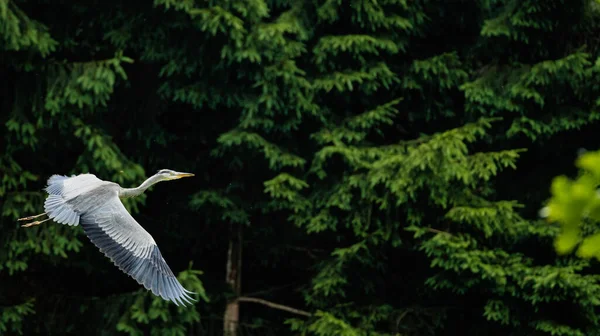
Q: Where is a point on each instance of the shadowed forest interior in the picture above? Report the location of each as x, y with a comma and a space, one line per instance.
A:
362, 167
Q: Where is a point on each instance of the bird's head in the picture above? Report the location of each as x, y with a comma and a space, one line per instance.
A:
168, 174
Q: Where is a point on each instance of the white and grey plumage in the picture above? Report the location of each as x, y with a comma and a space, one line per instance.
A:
95, 205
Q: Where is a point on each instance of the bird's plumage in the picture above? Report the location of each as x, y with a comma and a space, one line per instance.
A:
67, 193
95, 205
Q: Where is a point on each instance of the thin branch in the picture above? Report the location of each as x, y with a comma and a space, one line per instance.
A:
274, 305
437, 231
308, 251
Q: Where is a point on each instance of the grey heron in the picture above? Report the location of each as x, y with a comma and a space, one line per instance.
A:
95, 205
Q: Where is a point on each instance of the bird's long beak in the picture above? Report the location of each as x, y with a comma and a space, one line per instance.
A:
180, 175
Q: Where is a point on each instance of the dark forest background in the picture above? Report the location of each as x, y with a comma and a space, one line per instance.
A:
363, 167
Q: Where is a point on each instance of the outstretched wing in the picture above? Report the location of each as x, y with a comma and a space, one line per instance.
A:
131, 248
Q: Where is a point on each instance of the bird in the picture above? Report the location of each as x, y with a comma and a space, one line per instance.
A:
96, 206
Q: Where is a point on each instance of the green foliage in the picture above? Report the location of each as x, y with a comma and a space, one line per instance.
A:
19, 32
576, 201
277, 158
228, 209
438, 168
362, 188
529, 90
11, 318
54, 241
149, 309
85, 85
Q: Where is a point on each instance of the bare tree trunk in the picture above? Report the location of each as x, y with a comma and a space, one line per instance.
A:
233, 277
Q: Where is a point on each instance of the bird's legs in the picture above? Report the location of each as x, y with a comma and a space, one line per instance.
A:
33, 217
35, 223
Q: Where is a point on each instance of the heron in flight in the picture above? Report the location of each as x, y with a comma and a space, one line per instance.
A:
95, 205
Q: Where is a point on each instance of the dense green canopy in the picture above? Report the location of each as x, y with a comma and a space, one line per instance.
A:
382, 162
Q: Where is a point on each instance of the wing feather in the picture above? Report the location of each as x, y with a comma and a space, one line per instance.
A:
62, 190
131, 248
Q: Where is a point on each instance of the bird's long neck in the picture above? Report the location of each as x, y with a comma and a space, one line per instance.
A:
131, 192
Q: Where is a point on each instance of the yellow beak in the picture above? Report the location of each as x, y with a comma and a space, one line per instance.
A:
180, 175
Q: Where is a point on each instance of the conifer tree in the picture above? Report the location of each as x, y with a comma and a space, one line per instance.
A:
361, 194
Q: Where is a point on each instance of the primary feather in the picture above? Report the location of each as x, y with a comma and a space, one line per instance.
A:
95, 205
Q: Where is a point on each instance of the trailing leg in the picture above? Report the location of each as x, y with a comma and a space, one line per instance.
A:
35, 223
30, 217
